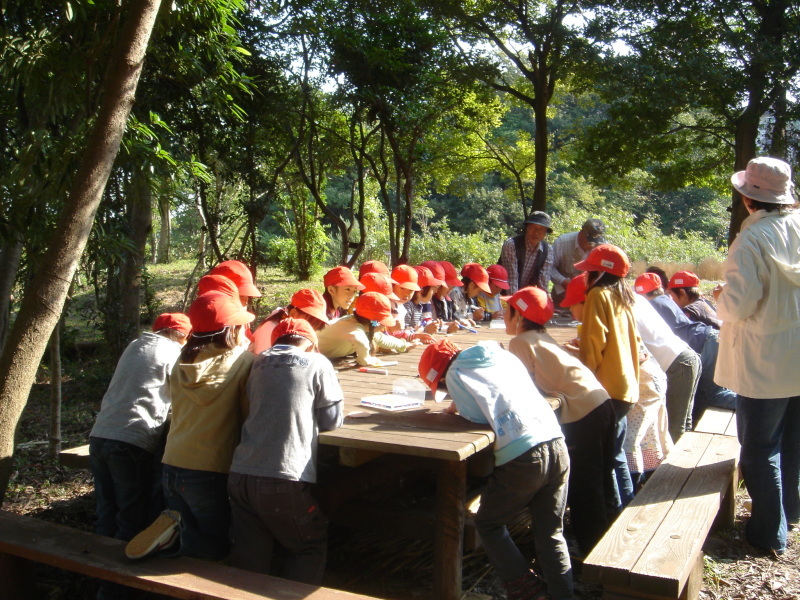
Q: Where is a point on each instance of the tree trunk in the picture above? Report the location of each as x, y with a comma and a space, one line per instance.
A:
140, 217
43, 302
540, 143
10, 255
745, 149
165, 233
54, 442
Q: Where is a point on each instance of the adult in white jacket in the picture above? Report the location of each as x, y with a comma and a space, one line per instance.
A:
760, 336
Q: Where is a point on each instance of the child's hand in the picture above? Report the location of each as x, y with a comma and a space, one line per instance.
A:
424, 338
498, 314
574, 345
433, 327
452, 327
452, 409
477, 315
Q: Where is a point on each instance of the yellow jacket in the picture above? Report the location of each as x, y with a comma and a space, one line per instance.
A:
609, 344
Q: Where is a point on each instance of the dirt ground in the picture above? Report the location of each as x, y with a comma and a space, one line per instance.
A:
366, 562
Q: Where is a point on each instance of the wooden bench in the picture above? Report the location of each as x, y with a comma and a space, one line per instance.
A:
653, 550
25, 540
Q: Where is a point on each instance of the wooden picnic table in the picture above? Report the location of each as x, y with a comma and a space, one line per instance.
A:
445, 441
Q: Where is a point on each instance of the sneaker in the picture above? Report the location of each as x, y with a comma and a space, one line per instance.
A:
528, 587
161, 534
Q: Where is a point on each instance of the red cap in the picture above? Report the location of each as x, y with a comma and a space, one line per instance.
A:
239, 274
426, 278
311, 302
406, 277
217, 283
372, 266
606, 257
476, 273
532, 303
177, 321
575, 292
450, 274
378, 282
290, 326
437, 270
341, 276
498, 276
434, 361
213, 311
646, 283
375, 307
684, 279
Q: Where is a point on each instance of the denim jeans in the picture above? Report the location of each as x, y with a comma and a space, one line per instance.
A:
537, 479
769, 433
124, 477
265, 511
593, 498
621, 472
708, 392
683, 376
201, 497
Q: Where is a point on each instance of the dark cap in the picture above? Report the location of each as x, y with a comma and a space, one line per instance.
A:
538, 217
595, 231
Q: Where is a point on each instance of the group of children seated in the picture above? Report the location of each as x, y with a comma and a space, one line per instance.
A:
231, 472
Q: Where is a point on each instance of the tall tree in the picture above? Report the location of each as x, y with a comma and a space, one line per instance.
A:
41, 307
695, 84
543, 41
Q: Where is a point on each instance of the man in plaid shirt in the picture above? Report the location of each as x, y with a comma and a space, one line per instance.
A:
528, 258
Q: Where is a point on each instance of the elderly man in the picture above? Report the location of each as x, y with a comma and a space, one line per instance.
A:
528, 258
571, 248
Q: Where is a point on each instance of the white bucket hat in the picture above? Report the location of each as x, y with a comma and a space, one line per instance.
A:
766, 180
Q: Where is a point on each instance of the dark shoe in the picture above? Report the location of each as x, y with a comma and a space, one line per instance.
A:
528, 587
164, 532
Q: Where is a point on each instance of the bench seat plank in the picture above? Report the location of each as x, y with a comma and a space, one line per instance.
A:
676, 546
616, 554
717, 420
185, 578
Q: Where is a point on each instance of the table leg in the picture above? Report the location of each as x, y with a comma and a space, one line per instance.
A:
451, 486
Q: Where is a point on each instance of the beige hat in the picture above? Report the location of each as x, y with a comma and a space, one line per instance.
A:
766, 180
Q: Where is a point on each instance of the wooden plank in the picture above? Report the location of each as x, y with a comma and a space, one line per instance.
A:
615, 555
716, 420
399, 443
451, 486
185, 578
667, 563
75, 458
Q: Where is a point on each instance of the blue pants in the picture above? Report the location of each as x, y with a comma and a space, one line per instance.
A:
769, 433
621, 472
201, 497
708, 392
537, 479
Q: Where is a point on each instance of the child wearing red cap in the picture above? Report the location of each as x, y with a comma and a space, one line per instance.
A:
418, 308
305, 304
362, 332
609, 343
491, 303
474, 280
240, 274
684, 288
209, 403
127, 440
586, 415
293, 394
490, 385
341, 287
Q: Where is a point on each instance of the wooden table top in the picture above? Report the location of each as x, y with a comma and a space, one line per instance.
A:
427, 431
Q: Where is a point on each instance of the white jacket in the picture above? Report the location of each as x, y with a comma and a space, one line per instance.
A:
760, 309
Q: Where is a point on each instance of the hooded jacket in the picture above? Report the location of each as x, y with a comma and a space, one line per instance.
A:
490, 385
209, 405
760, 308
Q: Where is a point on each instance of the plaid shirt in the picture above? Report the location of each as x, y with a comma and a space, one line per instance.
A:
508, 258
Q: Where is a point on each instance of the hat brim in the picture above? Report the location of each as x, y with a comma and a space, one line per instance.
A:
388, 321
249, 290
484, 286
572, 301
585, 265
453, 283
501, 283
739, 182
409, 286
317, 313
240, 318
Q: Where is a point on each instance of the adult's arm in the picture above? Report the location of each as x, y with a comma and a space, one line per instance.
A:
743, 285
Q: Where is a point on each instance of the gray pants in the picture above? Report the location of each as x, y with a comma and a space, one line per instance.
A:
683, 376
537, 479
265, 511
